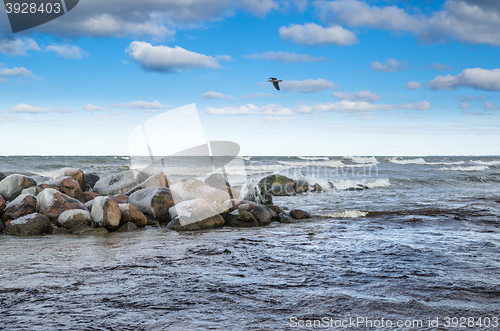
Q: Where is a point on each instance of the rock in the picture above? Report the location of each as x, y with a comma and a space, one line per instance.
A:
194, 215
56, 230
29, 225
12, 186
132, 214
2, 176
33, 190
317, 188
72, 218
282, 190
331, 186
127, 227
67, 185
276, 209
301, 186
88, 230
299, 214
156, 180
23, 205
191, 189
89, 205
89, 180
262, 214
284, 218
3, 203
155, 201
120, 198
359, 187
87, 196
53, 203
251, 191
106, 213
153, 222
271, 180
119, 183
40, 179
76, 174
240, 218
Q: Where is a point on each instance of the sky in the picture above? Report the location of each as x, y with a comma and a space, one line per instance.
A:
358, 77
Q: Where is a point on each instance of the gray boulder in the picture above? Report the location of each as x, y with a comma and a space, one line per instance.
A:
157, 180
301, 186
67, 185
262, 214
282, 190
240, 218
191, 189
72, 218
194, 215
52, 203
75, 173
40, 179
33, 190
252, 191
23, 205
155, 202
3, 203
119, 183
12, 186
299, 214
89, 180
106, 213
2, 176
132, 214
29, 225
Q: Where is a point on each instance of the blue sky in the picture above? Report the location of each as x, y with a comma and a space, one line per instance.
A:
359, 77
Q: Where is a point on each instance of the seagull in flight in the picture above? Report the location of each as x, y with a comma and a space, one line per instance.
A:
275, 82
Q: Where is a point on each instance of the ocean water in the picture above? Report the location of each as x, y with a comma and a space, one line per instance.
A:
421, 242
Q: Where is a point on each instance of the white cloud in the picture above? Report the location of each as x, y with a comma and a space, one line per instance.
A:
251, 109
464, 105
285, 57
67, 51
471, 97
440, 67
259, 7
390, 65
18, 72
24, 108
215, 95
350, 107
364, 95
91, 107
168, 59
422, 105
477, 78
490, 105
307, 86
17, 46
141, 105
413, 85
226, 58
311, 34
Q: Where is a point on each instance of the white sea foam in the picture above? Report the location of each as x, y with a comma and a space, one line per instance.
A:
487, 163
363, 159
399, 160
345, 214
469, 168
373, 183
313, 158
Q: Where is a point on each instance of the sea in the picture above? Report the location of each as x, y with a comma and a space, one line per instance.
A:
395, 243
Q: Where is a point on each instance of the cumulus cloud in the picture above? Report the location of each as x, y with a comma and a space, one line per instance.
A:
477, 78
259, 7
490, 105
141, 105
413, 85
422, 105
285, 57
91, 107
307, 86
17, 46
364, 95
464, 105
168, 59
67, 51
251, 109
470, 97
350, 107
390, 65
27, 109
215, 95
19, 72
311, 34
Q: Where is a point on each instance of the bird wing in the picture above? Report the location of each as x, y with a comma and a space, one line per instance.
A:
276, 85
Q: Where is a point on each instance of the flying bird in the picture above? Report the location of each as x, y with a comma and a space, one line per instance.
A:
275, 82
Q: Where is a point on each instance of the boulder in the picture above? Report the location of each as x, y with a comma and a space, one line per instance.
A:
89, 205
106, 213
132, 214
53, 203
67, 185
194, 215
3, 203
262, 214
33, 190
2, 226
284, 218
240, 218
155, 201
217, 181
301, 186
40, 179
331, 186
72, 218
317, 188
119, 183
76, 174
23, 205
29, 225
2, 176
127, 227
276, 209
57, 230
89, 180
282, 190
359, 187
12, 186
299, 214
120, 198
156, 180
88, 230
191, 189
252, 191
271, 180
87, 196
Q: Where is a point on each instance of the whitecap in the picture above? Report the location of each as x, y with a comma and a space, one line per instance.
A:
469, 168
345, 214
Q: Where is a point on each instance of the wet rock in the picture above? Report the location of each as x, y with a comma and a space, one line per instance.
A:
67, 185
40, 179
240, 218
89, 180
3, 203
87, 196
119, 183
106, 213
194, 215
284, 218
299, 214
72, 218
52, 203
276, 209
57, 230
33, 190
2, 176
76, 174
23, 205
282, 190
132, 214
191, 189
317, 188
29, 225
331, 186
2, 226
120, 198
155, 201
89, 205
156, 180
252, 191
88, 230
12, 186
271, 180
301, 186
359, 187
262, 214
127, 227
153, 222
217, 181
